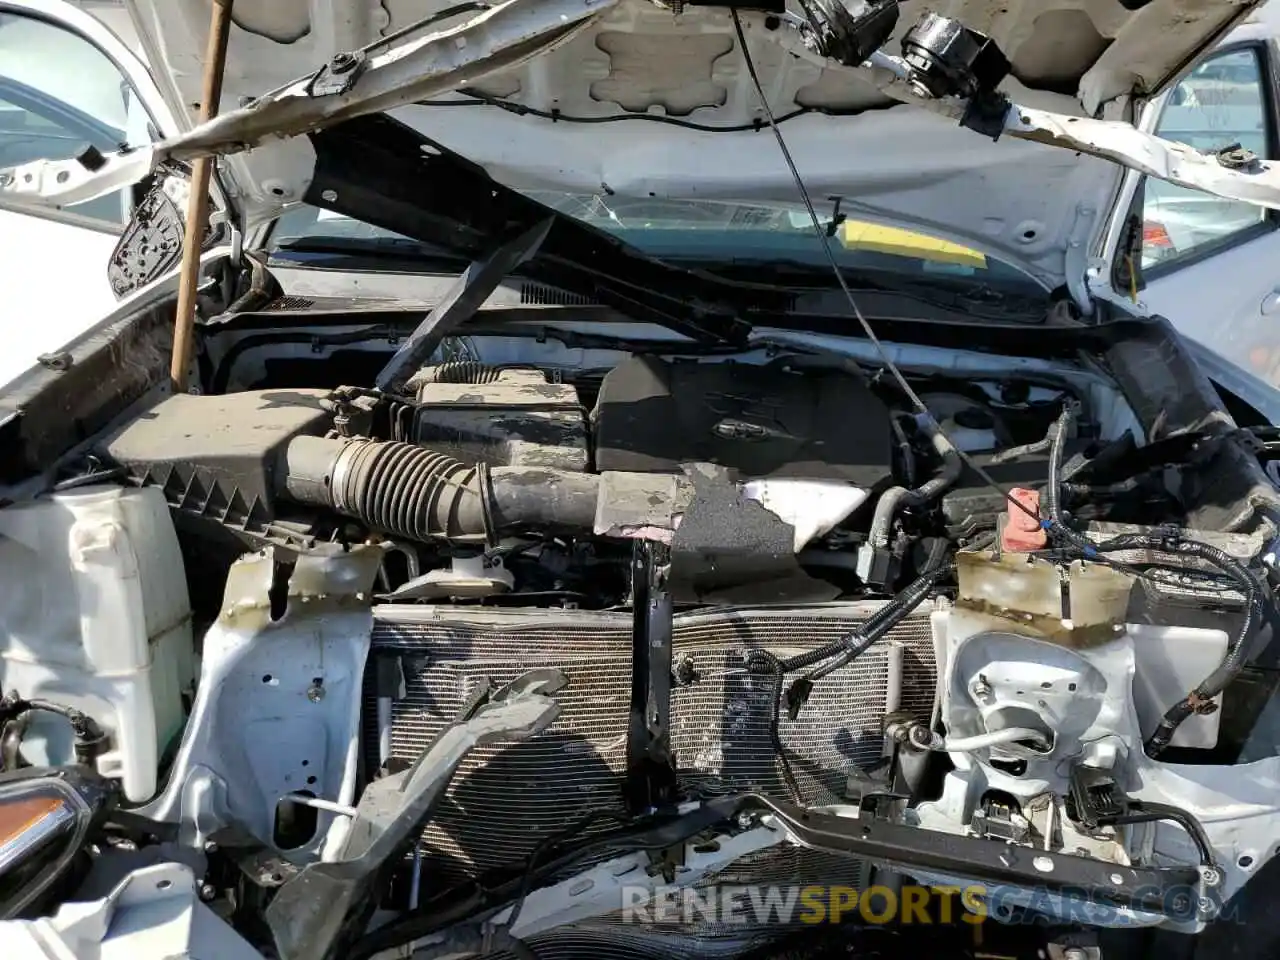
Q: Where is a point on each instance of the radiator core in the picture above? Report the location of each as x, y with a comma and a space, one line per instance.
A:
505, 798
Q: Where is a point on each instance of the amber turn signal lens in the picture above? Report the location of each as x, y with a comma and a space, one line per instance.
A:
26, 822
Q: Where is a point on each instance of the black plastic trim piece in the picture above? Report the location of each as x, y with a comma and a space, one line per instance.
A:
1167, 891
380, 171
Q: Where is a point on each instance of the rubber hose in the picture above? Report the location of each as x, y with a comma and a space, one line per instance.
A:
895, 498
1026, 449
1233, 661
420, 494
90, 739
1146, 811
544, 499
904, 451
1051, 503
456, 371
411, 491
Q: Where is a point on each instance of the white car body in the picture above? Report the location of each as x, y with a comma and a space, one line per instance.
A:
1218, 288
54, 262
1048, 195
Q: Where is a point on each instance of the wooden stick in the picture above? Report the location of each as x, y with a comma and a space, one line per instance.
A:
215, 59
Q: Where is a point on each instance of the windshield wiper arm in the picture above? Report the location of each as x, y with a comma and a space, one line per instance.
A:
465, 297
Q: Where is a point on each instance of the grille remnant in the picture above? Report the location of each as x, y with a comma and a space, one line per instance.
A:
506, 798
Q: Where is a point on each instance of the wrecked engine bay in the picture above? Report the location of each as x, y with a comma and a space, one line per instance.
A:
735, 617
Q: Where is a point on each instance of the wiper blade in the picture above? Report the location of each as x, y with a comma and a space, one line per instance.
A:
860, 278
974, 297
398, 247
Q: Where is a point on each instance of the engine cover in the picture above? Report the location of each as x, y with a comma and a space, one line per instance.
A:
653, 415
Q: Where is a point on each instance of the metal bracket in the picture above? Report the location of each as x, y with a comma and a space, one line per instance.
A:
651, 771
913, 848
253, 726
338, 75
260, 865
327, 905
153, 911
1074, 946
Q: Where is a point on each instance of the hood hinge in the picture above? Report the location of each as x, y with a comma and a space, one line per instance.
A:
1077, 259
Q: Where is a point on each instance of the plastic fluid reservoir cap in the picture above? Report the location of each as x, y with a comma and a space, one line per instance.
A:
1022, 530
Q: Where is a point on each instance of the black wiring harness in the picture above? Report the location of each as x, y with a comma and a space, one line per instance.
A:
90, 738
1200, 699
838, 653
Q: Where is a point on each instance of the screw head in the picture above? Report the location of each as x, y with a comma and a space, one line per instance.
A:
207, 892
342, 62
980, 688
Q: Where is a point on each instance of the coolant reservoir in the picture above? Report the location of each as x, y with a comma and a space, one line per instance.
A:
94, 614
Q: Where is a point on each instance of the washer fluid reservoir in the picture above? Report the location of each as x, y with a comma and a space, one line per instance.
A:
94, 614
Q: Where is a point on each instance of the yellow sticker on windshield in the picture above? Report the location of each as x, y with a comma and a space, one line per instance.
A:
877, 238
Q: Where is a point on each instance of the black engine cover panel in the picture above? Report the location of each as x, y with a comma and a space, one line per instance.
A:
653, 415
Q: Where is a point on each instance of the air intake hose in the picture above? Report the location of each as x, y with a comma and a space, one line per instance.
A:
421, 494
454, 371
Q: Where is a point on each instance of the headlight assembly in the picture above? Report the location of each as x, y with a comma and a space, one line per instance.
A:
45, 817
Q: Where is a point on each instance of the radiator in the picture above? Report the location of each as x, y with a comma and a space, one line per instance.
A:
506, 798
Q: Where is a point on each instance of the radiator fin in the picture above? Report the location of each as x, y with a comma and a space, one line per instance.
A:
506, 798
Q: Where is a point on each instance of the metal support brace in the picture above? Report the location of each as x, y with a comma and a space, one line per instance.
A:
651, 773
